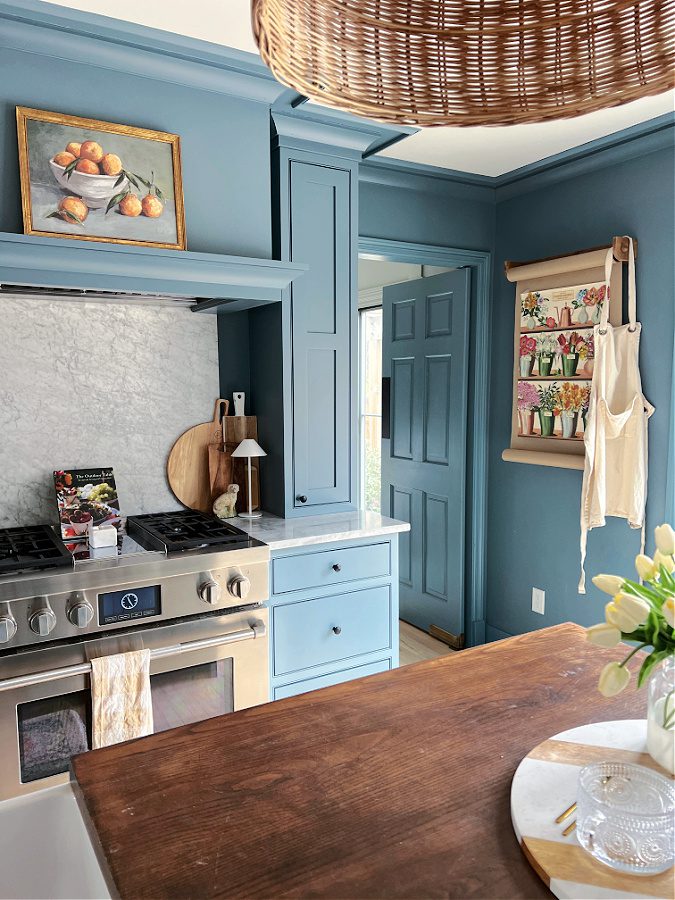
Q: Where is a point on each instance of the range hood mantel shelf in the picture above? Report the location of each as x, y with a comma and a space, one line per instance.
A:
206, 282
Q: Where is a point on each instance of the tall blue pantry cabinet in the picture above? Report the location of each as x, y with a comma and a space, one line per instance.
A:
305, 387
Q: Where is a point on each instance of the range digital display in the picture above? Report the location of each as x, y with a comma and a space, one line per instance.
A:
129, 604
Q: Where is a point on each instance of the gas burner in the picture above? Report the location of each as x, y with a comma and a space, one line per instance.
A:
185, 530
32, 547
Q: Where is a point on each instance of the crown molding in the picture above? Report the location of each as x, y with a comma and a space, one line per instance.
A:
307, 127
612, 149
404, 175
32, 26
630, 143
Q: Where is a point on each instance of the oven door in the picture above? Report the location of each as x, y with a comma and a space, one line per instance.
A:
199, 669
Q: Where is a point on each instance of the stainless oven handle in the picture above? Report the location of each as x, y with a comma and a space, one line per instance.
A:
254, 630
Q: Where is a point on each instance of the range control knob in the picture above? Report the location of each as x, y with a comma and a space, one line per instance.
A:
80, 613
239, 586
7, 628
42, 621
209, 592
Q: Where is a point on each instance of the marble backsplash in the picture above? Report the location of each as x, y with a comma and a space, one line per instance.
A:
86, 384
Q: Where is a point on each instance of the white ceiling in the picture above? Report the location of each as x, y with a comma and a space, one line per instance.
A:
483, 151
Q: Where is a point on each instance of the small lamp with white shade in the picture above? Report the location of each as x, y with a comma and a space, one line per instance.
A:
249, 449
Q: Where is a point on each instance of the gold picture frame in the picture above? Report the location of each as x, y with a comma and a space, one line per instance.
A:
96, 196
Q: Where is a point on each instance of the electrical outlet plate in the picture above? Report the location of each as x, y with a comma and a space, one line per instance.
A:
538, 600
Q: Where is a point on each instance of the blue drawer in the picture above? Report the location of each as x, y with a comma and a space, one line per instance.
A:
313, 684
328, 629
327, 567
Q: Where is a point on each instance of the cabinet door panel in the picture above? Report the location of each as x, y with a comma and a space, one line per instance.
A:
329, 629
321, 313
313, 684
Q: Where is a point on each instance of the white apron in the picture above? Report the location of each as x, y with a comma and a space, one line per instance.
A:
615, 437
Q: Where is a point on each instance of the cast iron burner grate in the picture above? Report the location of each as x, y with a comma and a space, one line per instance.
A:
31, 547
185, 530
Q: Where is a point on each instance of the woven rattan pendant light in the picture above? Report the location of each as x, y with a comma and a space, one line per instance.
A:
469, 62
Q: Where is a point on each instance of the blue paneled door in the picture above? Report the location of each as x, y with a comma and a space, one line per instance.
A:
425, 356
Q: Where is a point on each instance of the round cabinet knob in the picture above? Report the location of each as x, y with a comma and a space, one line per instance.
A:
301, 498
7, 628
209, 592
239, 586
80, 614
337, 567
42, 621
337, 629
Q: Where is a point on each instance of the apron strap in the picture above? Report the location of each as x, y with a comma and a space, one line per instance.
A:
609, 261
581, 589
632, 302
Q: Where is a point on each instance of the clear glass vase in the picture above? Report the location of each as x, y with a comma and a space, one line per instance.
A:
661, 715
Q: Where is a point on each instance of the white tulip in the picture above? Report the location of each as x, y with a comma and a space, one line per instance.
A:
644, 566
610, 584
663, 559
613, 679
668, 610
620, 618
635, 607
665, 539
603, 635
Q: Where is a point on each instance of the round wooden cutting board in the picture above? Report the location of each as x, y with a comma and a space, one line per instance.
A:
187, 467
545, 785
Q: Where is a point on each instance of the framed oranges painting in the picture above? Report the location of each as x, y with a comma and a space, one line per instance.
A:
98, 181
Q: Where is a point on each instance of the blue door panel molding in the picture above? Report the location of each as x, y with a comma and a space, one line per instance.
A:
439, 315
437, 401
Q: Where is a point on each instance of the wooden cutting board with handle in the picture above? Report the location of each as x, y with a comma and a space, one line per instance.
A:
187, 467
224, 469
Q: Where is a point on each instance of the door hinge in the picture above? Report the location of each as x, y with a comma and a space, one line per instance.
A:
454, 641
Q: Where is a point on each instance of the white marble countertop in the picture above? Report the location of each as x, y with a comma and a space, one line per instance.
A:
282, 533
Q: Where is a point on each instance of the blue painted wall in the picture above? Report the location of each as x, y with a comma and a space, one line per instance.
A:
399, 205
533, 510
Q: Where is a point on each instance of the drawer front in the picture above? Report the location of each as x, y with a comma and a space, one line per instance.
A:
313, 684
326, 567
328, 629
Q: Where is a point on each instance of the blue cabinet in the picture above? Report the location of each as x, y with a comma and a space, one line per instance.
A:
329, 626
320, 233
304, 367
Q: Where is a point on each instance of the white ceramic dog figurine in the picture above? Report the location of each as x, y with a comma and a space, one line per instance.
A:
225, 506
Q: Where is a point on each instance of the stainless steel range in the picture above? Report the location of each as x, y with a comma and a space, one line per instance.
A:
187, 586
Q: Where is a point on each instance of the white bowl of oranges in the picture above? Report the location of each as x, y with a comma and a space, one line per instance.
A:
84, 169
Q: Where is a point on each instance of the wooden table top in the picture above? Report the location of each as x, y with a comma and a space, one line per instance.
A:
392, 786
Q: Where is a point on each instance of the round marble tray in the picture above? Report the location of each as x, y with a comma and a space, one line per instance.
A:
545, 784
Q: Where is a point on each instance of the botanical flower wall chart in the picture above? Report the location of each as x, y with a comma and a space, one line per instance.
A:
556, 355
558, 305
